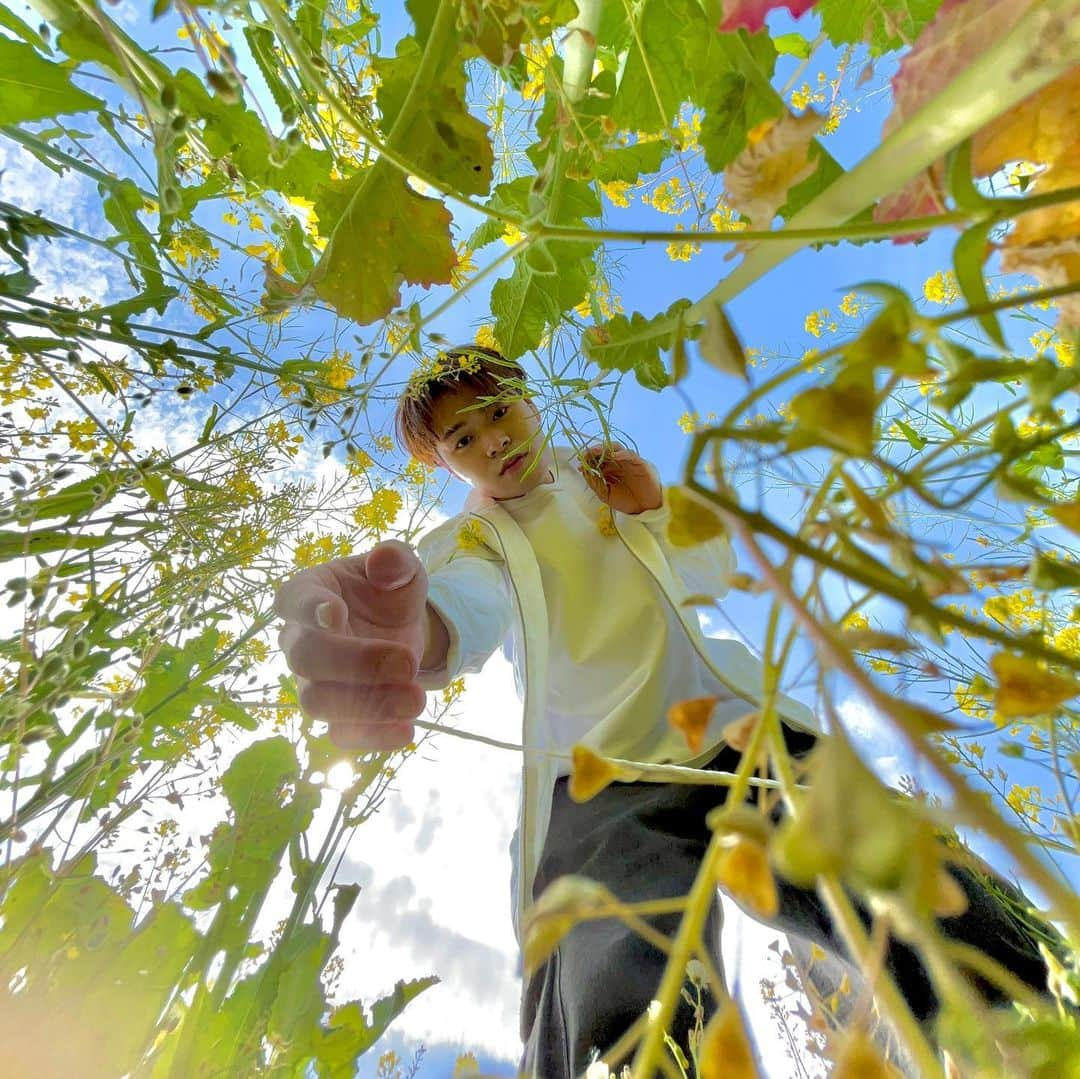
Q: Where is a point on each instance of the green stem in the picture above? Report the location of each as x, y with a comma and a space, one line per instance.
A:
824, 234
968, 805
884, 581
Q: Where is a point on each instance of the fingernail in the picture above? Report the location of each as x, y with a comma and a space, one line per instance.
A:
324, 614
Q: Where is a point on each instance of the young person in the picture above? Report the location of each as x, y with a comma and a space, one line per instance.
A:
568, 556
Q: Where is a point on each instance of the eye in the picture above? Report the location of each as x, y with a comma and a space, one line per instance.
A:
462, 441
500, 412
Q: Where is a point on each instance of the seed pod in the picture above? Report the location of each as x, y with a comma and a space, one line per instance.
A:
54, 668
168, 96
224, 85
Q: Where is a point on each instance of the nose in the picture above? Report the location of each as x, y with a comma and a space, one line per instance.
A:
498, 444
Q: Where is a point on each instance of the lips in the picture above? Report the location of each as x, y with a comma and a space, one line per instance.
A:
510, 464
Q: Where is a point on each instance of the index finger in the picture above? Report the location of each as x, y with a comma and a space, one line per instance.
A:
310, 599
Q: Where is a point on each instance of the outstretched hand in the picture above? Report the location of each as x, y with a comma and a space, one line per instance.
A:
354, 637
620, 478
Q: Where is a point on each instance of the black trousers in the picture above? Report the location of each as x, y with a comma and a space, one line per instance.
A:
646, 841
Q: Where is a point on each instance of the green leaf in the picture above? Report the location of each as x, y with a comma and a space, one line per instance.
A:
792, 45
349, 1033
43, 540
268, 59
634, 344
508, 198
968, 257
35, 88
839, 416
234, 135
736, 95
630, 163
121, 207
883, 24
664, 57
550, 277
385, 232
246, 854
298, 1003
445, 139
10, 21
1049, 574
915, 440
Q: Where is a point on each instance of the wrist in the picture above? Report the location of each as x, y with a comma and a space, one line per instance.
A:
436, 641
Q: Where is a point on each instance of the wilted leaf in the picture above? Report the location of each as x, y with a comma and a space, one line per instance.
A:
851, 824
957, 35
591, 773
726, 1052
562, 905
743, 870
691, 717
738, 732
840, 416
859, 1058
692, 522
385, 233
1040, 129
1068, 514
775, 159
750, 14
1025, 688
720, 345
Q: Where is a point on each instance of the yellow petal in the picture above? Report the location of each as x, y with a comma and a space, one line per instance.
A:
743, 870
591, 773
725, 1049
860, 1059
1025, 689
692, 718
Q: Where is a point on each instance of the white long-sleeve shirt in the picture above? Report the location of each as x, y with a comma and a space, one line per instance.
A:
617, 653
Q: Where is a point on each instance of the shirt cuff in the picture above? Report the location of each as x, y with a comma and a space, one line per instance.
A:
657, 518
442, 677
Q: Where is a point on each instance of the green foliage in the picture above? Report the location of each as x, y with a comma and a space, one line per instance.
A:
35, 88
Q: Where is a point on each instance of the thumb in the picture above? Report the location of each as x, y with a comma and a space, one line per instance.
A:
391, 565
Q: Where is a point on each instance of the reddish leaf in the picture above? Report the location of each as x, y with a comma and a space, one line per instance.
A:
750, 14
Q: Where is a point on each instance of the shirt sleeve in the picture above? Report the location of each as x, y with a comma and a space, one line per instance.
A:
468, 590
706, 569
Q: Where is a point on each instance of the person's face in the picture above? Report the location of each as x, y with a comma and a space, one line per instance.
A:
491, 447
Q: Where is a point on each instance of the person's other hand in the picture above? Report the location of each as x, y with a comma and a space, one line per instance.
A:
621, 478
354, 636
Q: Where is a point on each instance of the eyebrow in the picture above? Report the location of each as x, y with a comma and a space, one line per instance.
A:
456, 427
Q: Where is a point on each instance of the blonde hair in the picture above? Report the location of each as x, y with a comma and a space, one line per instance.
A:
483, 370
